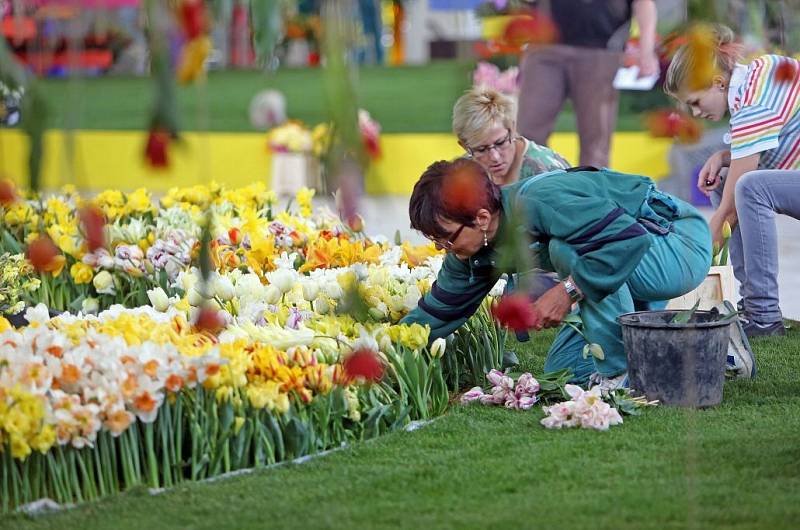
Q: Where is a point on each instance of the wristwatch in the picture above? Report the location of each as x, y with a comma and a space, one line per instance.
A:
572, 290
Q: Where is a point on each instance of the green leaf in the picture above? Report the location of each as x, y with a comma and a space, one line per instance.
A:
683, 317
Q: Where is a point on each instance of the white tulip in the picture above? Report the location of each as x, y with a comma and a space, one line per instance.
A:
223, 287
438, 347
272, 294
321, 306
310, 290
333, 290
283, 279
90, 306
194, 297
158, 299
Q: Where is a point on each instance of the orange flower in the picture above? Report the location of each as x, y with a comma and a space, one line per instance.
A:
8, 193
70, 374
145, 402
701, 43
174, 383
43, 255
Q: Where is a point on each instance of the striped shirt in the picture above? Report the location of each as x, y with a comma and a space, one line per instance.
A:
765, 112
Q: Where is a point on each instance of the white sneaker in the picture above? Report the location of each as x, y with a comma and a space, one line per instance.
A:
741, 363
608, 384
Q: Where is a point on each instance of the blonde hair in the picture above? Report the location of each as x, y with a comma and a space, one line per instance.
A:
723, 49
480, 108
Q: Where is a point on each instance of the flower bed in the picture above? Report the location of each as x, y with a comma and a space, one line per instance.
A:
126, 387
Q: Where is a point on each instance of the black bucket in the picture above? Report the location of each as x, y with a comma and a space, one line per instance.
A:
676, 363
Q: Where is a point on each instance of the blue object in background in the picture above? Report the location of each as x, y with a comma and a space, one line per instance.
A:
452, 5
698, 197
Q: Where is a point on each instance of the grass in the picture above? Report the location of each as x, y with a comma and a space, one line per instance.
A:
734, 466
402, 99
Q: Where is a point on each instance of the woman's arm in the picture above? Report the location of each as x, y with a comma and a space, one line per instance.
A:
727, 208
454, 297
645, 13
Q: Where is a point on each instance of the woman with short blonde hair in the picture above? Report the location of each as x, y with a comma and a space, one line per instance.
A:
484, 120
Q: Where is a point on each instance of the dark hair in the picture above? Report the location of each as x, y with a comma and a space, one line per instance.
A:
452, 191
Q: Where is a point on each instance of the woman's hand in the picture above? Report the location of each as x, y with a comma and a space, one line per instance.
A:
551, 308
708, 179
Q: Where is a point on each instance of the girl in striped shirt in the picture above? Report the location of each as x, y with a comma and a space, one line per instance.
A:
763, 178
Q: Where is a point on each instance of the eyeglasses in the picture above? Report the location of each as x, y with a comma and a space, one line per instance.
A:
484, 150
448, 243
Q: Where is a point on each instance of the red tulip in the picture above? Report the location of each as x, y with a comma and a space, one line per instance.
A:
209, 319
514, 311
194, 18
363, 363
8, 193
786, 71
42, 253
155, 151
93, 222
235, 236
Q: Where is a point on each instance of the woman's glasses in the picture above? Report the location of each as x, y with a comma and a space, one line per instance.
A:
447, 244
484, 150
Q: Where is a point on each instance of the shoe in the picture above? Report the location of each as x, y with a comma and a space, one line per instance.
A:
771, 329
608, 384
741, 363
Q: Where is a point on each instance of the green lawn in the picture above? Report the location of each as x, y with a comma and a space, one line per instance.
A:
735, 466
403, 99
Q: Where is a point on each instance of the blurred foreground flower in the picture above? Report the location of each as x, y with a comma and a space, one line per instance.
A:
363, 363
786, 71
209, 319
514, 311
530, 28
45, 256
701, 43
194, 18
93, 222
156, 152
193, 59
8, 192
669, 123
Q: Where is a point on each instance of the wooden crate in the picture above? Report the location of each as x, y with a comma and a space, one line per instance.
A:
719, 285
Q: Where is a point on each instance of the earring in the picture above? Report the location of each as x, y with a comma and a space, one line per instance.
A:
485, 239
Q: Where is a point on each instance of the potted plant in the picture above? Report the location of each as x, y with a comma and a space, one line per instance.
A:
291, 145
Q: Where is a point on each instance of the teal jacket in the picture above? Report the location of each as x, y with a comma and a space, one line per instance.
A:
587, 223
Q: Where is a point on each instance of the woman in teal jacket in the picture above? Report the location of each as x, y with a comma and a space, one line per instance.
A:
617, 243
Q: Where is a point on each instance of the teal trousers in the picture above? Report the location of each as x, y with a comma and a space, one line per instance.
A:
676, 263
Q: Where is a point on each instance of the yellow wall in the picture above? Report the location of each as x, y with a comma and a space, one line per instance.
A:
113, 159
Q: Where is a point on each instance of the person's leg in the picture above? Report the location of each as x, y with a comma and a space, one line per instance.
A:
759, 196
590, 81
542, 92
600, 326
567, 352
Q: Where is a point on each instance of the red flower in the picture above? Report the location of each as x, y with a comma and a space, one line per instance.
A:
194, 18
673, 124
514, 311
93, 222
363, 363
209, 319
786, 71
530, 28
155, 152
42, 253
8, 193
235, 236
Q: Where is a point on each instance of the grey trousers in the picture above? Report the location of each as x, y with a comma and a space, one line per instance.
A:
753, 245
551, 74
